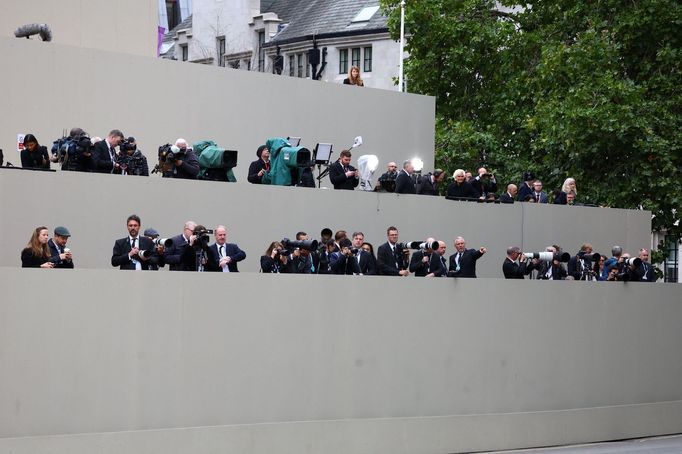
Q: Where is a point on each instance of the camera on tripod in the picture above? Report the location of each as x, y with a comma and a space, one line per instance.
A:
202, 235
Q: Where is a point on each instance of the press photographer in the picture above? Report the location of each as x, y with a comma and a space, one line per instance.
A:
275, 259
343, 261
581, 266
177, 161
424, 263
195, 257
134, 251
485, 184
130, 160
73, 153
301, 258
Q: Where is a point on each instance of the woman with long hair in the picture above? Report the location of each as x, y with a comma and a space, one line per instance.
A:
34, 155
354, 77
37, 253
566, 188
272, 261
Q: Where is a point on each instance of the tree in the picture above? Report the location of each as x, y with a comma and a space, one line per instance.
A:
564, 88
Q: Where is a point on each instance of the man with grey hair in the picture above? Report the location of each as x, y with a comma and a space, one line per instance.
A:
186, 164
425, 262
510, 195
645, 272
463, 261
514, 269
104, 153
173, 253
616, 252
461, 189
404, 183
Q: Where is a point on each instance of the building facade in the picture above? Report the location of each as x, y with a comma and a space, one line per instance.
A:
317, 40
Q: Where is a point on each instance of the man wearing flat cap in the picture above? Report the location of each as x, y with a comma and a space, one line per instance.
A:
61, 255
259, 167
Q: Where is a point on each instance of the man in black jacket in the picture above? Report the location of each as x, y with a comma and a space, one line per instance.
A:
222, 255
404, 183
104, 153
186, 165
463, 261
513, 269
343, 261
61, 255
126, 254
392, 259
173, 253
510, 195
645, 272
429, 183
342, 174
365, 259
485, 184
426, 262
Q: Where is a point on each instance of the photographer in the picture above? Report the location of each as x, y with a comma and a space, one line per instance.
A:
301, 259
629, 270
178, 161
485, 184
516, 270
131, 252
157, 261
104, 153
195, 256
324, 255
130, 160
429, 183
580, 265
552, 271
274, 260
343, 261
424, 261
61, 255
74, 152
173, 253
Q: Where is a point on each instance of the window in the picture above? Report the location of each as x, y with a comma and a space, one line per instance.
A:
221, 51
367, 67
672, 261
299, 60
355, 55
292, 65
184, 52
365, 14
307, 64
261, 51
343, 61
173, 13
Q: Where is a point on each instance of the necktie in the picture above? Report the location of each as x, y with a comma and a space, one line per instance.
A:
222, 254
443, 266
132, 244
457, 261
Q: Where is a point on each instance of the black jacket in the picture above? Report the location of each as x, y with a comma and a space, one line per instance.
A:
404, 184
339, 179
39, 159
462, 191
101, 158
189, 169
506, 198
119, 256
231, 250
342, 264
55, 251
388, 262
173, 253
427, 185
514, 270
255, 167
467, 263
269, 265
367, 263
28, 260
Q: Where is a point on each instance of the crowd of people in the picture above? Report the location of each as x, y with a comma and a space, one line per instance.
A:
335, 253
119, 155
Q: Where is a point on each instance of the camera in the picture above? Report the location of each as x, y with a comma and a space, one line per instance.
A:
308, 245
549, 256
594, 257
202, 235
146, 254
125, 146
423, 245
634, 262
170, 153
165, 242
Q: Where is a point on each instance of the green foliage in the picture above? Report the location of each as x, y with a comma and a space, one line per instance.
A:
579, 88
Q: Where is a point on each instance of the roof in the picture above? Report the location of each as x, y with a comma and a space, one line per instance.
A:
167, 45
323, 18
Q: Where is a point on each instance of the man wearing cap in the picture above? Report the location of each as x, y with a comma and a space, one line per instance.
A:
61, 255
260, 166
156, 260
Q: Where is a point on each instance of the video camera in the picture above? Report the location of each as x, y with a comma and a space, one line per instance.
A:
549, 256
202, 235
170, 153
70, 151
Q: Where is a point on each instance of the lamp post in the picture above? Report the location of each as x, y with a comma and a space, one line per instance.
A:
402, 44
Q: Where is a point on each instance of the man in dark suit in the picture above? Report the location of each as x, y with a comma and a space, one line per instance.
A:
186, 166
173, 253
404, 183
224, 256
645, 272
343, 261
342, 174
424, 262
259, 167
126, 254
104, 153
539, 196
429, 183
61, 255
485, 184
513, 269
391, 259
463, 261
526, 186
508, 197
366, 261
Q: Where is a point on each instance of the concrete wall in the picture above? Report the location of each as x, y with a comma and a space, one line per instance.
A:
158, 101
95, 206
125, 26
331, 365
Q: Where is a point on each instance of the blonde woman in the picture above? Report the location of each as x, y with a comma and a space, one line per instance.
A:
354, 77
566, 188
